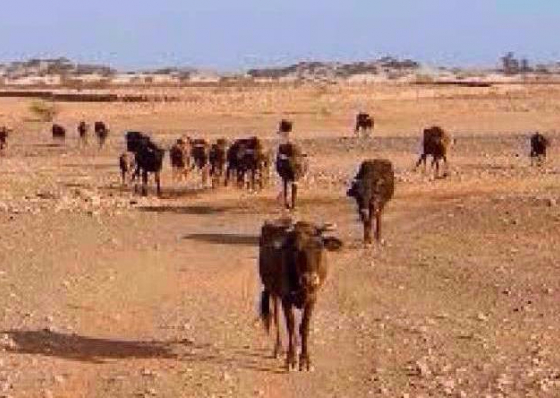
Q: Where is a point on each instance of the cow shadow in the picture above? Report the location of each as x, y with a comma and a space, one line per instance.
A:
100, 351
224, 239
191, 210
84, 349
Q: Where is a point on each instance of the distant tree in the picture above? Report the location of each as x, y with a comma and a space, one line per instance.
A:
510, 65
525, 67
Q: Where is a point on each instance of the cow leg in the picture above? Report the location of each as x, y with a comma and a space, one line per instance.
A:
368, 226
436, 163
304, 359
254, 179
144, 183
285, 193
290, 325
123, 177
378, 226
228, 174
446, 166
158, 183
276, 314
294, 194
421, 160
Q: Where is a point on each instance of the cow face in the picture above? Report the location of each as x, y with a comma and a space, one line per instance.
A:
307, 246
357, 192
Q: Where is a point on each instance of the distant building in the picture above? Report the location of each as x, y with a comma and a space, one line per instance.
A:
47, 80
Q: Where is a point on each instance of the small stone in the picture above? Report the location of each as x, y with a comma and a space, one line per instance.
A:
482, 317
59, 379
422, 368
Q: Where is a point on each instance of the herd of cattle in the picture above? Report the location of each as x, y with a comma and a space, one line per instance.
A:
292, 264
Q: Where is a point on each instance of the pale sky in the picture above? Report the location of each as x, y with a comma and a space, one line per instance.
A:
233, 35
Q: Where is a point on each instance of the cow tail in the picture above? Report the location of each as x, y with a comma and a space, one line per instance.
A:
265, 310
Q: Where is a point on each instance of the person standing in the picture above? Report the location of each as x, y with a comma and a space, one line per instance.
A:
290, 164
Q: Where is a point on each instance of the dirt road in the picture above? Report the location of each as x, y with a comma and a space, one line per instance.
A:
107, 294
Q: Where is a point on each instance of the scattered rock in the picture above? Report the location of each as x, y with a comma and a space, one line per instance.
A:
482, 317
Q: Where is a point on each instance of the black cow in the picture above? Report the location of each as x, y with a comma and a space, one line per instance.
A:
246, 158
372, 188
148, 158
102, 132
4, 133
199, 155
293, 268
58, 132
539, 145
83, 129
364, 123
217, 159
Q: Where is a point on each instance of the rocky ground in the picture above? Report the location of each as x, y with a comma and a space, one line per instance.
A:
108, 294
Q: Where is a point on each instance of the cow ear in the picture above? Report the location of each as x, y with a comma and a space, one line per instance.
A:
332, 244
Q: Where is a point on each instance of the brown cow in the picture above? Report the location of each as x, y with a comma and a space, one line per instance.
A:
293, 268
179, 156
372, 188
436, 142
126, 165
364, 123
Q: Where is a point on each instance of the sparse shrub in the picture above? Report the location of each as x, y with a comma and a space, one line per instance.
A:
424, 78
44, 111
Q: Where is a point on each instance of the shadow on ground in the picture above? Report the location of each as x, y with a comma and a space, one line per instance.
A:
84, 349
98, 351
193, 210
225, 239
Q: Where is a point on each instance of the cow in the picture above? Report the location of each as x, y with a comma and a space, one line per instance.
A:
58, 132
293, 268
148, 158
199, 154
126, 165
217, 159
364, 124
291, 165
179, 156
539, 145
372, 188
246, 158
436, 142
4, 133
102, 132
83, 129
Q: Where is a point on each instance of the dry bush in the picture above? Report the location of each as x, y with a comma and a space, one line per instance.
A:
44, 111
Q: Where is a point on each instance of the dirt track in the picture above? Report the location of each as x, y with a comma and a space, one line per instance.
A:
106, 294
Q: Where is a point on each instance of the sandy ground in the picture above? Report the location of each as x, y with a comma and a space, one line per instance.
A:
107, 294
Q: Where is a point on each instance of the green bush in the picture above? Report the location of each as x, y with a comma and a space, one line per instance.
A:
44, 111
